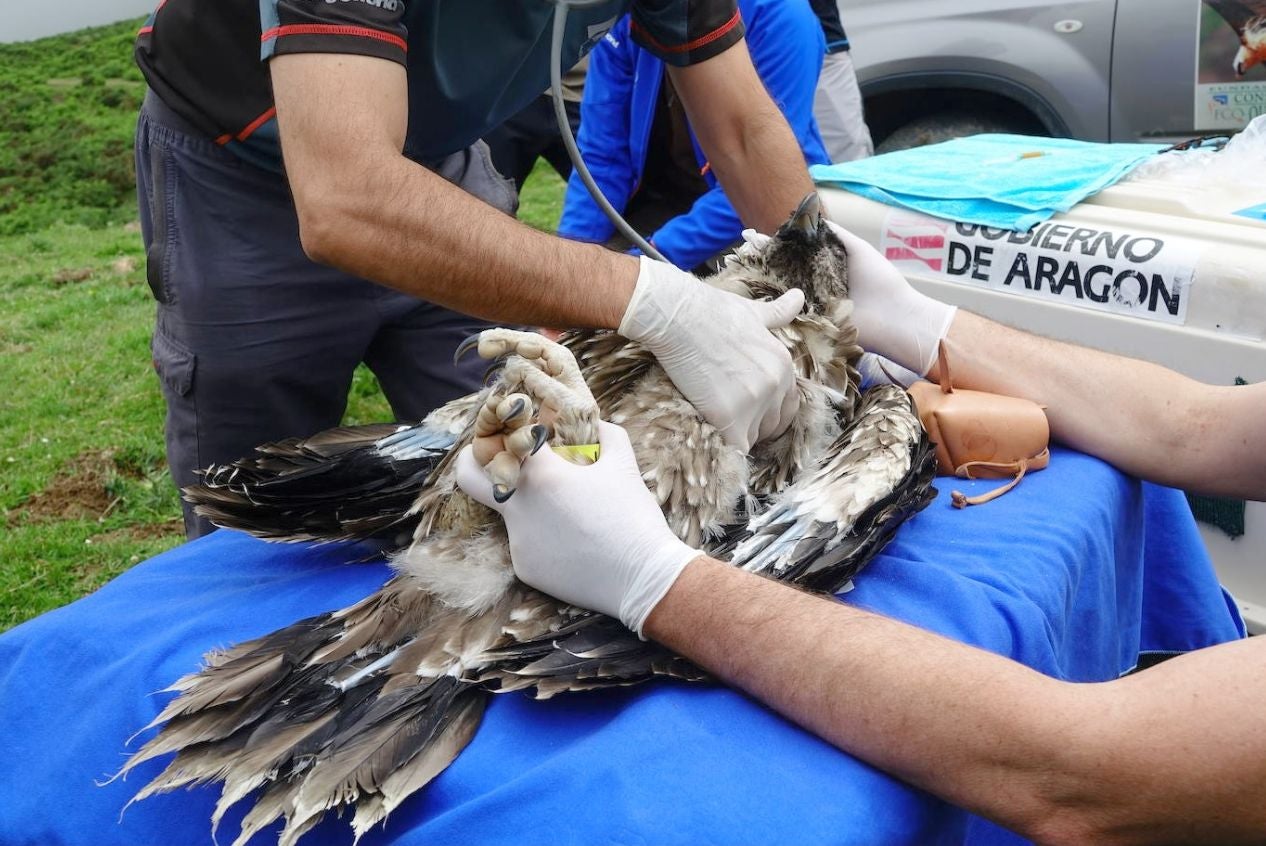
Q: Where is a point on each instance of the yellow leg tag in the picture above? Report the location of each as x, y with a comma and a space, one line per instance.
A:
586, 452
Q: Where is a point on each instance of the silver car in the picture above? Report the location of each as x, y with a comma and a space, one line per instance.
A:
1099, 70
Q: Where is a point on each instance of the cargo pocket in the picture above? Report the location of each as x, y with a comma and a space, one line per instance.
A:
174, 363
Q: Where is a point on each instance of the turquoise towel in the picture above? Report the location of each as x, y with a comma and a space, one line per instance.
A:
1004, 181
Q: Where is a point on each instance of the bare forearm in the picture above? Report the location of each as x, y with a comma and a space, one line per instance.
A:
964, 724
1173, 755
404, 227
366, 209
749, 145
1145, 419
763, 170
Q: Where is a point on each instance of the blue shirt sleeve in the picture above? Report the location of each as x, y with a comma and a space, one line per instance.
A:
787, 47
603, 138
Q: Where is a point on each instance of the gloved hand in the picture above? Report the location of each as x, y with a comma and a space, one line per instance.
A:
892, 318
593, 535
717, 349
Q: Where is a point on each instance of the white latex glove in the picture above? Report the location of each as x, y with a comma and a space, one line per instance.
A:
892, 318
593, 535
717, 349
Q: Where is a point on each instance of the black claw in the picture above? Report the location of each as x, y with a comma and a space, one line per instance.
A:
501, 493
466, 346
519, 405
540, 437
494, 369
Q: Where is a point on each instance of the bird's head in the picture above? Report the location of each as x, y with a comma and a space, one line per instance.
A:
804, 253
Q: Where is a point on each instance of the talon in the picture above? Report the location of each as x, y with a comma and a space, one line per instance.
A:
466, 346
505, 415
501, 493
540, 437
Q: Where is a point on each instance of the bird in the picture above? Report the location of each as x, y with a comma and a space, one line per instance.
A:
359, 708
1248, 19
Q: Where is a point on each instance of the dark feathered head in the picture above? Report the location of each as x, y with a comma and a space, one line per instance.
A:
804, 253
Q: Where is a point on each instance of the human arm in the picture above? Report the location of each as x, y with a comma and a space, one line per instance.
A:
1175, 754
785, 43
749, 145
1140, 417
603, 138
366, 209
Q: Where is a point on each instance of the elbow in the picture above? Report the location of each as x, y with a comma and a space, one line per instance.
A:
324, 225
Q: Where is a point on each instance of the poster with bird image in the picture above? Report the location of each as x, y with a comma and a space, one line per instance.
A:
1230, 63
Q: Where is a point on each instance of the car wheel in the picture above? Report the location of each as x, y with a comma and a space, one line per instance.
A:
933, 129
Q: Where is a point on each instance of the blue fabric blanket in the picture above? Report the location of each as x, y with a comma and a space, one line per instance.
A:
1074, 573
1003, 181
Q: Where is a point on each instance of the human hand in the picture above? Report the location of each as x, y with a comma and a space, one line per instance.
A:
590, 535
717, 349
892, 318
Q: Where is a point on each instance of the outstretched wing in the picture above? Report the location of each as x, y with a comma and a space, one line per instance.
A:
347, 483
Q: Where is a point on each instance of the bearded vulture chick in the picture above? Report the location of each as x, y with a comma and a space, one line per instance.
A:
1248, 19
361, 707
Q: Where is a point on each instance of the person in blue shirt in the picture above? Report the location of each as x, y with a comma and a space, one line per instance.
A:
644, 154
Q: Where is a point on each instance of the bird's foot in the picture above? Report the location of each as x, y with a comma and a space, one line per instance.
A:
539, 396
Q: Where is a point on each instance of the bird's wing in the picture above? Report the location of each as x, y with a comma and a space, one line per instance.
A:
347, 483
359, 707
590, 651
827, 525
1237, 13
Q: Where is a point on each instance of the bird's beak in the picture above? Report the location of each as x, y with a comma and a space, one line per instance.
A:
806, 221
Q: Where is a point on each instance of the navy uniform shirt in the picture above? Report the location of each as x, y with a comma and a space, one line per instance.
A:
471, 63
828, 13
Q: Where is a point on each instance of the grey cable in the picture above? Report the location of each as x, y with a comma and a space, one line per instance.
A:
561, 8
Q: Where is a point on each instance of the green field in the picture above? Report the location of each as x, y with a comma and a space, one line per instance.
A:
84, 490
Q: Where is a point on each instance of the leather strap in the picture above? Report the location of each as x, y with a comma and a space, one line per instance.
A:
942, 357
961, 500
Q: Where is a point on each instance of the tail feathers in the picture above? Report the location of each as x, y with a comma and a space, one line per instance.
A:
318, 722
341, 484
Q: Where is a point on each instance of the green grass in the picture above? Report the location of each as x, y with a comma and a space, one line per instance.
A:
84, 489
69, 105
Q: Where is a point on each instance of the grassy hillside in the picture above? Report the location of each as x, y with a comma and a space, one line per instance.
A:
84, 490
69, 106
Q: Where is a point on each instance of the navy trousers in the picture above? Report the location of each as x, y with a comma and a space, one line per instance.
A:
255, 342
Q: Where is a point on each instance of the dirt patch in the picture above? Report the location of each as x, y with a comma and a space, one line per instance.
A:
77, 492
143, 531
71, 274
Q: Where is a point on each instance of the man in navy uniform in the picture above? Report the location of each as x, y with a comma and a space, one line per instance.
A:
301, 167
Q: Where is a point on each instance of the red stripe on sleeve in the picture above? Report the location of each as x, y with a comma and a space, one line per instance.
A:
334, 29
719, 32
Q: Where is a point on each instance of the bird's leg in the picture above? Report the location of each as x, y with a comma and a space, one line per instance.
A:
552, 358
